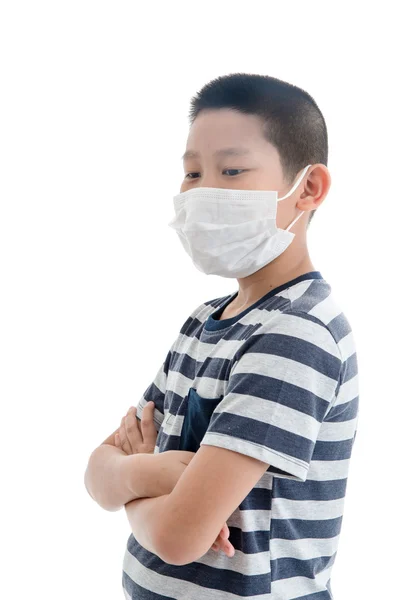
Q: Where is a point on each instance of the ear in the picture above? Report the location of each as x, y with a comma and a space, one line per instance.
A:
315, 189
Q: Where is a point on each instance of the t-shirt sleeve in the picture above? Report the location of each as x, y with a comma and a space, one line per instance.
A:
155, 392
280, 387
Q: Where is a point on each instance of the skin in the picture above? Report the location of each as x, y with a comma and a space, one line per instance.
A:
134, 437
222, 128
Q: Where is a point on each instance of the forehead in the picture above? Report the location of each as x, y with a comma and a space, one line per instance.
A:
224, 132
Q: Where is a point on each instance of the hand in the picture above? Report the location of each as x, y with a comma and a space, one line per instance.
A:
134, 438
222, 543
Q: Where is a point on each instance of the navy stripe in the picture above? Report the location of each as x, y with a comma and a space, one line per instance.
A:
198, 573
288, 346
297, 529
257, 499
217, 368
340, 450
184, 364
332, 489
339, 327
190, 326
276, 390
217, 301
168, 442
262, 434
213, 324
284, 568
156, 395
249, 542
272, 469
351, 367
343, 412
315, 294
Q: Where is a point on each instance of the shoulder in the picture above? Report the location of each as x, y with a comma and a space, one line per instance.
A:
200, 313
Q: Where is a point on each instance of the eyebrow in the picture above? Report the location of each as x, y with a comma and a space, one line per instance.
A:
222, 152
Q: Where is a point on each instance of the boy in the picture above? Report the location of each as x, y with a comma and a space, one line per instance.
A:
261, 385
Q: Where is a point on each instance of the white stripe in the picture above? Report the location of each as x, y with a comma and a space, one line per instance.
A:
326, 310
176, 588
347, 346
306, 548
336, 432
179, 383
265, 411
326, 470
287, 370
295, 587
347, 391
255, 520
294, 292
308, 510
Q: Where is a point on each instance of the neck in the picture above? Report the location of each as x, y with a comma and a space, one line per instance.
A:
289, 265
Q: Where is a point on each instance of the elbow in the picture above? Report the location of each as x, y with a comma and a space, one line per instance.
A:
104, 505
172, 551
167, 547
164, 548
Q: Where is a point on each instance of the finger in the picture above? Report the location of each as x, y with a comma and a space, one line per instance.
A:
125, 443
132, 429
227, 548
224, 533
220, 545
149, 430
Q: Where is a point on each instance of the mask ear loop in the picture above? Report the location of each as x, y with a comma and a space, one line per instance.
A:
291, 192
295, 220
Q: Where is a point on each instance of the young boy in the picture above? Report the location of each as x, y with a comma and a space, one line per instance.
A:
262, 384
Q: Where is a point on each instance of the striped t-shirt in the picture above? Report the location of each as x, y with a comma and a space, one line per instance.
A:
277, 382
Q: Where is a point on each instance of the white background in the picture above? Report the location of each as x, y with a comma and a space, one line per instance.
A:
95, 286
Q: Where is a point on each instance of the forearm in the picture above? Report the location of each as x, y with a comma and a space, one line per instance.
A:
113, 478
144, 516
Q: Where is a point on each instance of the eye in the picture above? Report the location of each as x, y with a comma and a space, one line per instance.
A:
225, 170
236, 170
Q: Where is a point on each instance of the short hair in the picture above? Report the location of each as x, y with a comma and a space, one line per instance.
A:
293, 123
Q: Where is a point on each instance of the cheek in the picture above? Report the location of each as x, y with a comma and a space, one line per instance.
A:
284, 215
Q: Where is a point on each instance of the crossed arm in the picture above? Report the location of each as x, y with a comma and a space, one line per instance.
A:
141, 483
182, 525
177, 522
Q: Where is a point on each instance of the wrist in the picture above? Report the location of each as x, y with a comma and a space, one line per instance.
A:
141, 473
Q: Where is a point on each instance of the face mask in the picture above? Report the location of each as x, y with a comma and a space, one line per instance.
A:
231, 233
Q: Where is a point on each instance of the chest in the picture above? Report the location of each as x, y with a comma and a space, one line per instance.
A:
196, 383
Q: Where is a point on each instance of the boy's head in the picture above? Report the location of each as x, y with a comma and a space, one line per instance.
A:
279, 126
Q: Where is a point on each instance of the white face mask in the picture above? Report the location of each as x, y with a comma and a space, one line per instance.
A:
231, 233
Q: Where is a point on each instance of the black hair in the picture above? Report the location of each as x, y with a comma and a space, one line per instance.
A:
293, 123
